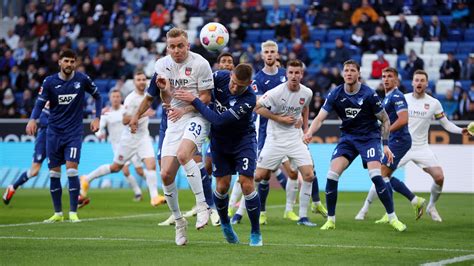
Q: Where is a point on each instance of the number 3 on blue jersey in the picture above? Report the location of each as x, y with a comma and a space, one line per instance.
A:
195, 128
246, 163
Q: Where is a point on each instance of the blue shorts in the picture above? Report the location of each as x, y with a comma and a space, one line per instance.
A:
399, 148
160, 144
61, 148
242, 160
369, 149
40, 146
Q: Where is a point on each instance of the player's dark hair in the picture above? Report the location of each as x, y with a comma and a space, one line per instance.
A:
352, 62
67, 53
115, 90
294, 63
138, 72
421, 72
223, 55
243, 72
390, 69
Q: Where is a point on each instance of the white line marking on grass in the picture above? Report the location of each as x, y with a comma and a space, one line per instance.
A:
450, 261
220, 243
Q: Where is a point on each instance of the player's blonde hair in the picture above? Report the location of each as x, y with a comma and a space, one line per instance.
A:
270, 43
176, 32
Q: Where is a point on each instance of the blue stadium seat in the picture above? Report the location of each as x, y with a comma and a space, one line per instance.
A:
407, 85
328, 45
146, 21
317, 35
111, 83
266, 35
334, 34
455, 35
401, 58
311, 71
469, 34
107, 34
102, 85
445, 19
252, 36
447, 47
18, 97
466, 84
466, 47
93, 46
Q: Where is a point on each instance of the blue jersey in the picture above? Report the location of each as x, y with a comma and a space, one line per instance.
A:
66, 101
394, 103
43, 119
357, 111
231, 115
263, 82
154, 92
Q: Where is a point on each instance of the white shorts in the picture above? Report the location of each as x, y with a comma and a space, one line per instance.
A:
422, 156
135, 160
194, 128
134, 149
274, 154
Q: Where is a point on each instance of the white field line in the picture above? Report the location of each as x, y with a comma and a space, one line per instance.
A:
170, 241
450, 261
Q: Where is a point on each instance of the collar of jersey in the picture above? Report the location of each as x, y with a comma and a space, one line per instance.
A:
354, 92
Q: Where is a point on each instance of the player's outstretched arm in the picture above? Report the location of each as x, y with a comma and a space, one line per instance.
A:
451, 127
315, 125
31, 127
385, 128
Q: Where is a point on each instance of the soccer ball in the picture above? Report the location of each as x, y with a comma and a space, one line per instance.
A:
214, 36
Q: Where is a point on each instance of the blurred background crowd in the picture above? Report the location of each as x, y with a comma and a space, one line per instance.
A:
113, 38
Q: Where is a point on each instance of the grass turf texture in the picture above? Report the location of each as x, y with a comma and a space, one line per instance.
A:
116, 230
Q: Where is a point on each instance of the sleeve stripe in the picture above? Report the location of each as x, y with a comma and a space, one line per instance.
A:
41, 99
234, 114
402, 110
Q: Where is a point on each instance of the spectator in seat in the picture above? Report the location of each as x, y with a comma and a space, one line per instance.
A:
158, 16
413, 63
468, 68
460, 15
236, 30
283, 31
365, 8
437, 30
275, 15
325, 19
342, 18
136, 28
402, 26
379, 64
396, 43
180, 16
420, 30
450, 105
317, 54
366, 24
257, 17
451, 68
359, 40
340, 54
378, 41
299, 30
293, 13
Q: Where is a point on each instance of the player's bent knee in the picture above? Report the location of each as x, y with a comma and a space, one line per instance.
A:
54, 174
115, 167
72, 172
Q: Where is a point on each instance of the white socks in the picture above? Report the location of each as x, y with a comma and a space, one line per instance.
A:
370, 198
291, 190
435, 193
305, 195
133, 183
193, 173
171, 195
100, 171
152, 182
235, 195
242, 208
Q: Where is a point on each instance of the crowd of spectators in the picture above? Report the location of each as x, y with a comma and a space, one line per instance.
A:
113, 38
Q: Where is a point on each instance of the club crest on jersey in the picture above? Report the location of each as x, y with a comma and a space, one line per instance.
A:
282, 78
66, 98
301, 101
352, 112
187, 71
77, 85
254, 87
427, 106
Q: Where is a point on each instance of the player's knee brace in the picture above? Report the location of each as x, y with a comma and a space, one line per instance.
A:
72, 172
333, 175
54, 174
375, 172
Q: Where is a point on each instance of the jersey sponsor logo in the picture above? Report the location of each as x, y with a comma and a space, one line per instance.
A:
232, 102
57, 86
187, 71
416, 113
399, 103
266, 82
66, 98
179, 82
360, 101
77, 85
427, 106
282, 79
207, 80
352, 112
343, 99
302, 101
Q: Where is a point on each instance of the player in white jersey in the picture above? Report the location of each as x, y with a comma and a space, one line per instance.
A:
284, 105
187, 129
132, 144
422, 108
111, 126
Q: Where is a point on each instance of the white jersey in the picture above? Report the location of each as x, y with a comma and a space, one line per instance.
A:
421, 111
281, 101
194, 75
112, 122
131, 104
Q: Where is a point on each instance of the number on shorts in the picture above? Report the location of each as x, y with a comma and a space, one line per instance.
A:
73, 153
195, 128
370, 152
246, 163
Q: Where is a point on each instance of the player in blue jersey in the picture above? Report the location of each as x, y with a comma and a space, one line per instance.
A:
65, 92
399, 142
360, 109
39, 155
233, 143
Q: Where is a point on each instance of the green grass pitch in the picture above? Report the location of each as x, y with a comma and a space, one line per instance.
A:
117, 231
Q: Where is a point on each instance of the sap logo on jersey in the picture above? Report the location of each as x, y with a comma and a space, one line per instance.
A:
352, 112
66, 98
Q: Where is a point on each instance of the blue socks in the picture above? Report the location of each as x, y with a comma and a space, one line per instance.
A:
315, 190
222, 206
207, 187
401, 188
74, 188
281, 177
56, 193
263, 189
21, 180
252, 203
383, 191
331, 196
